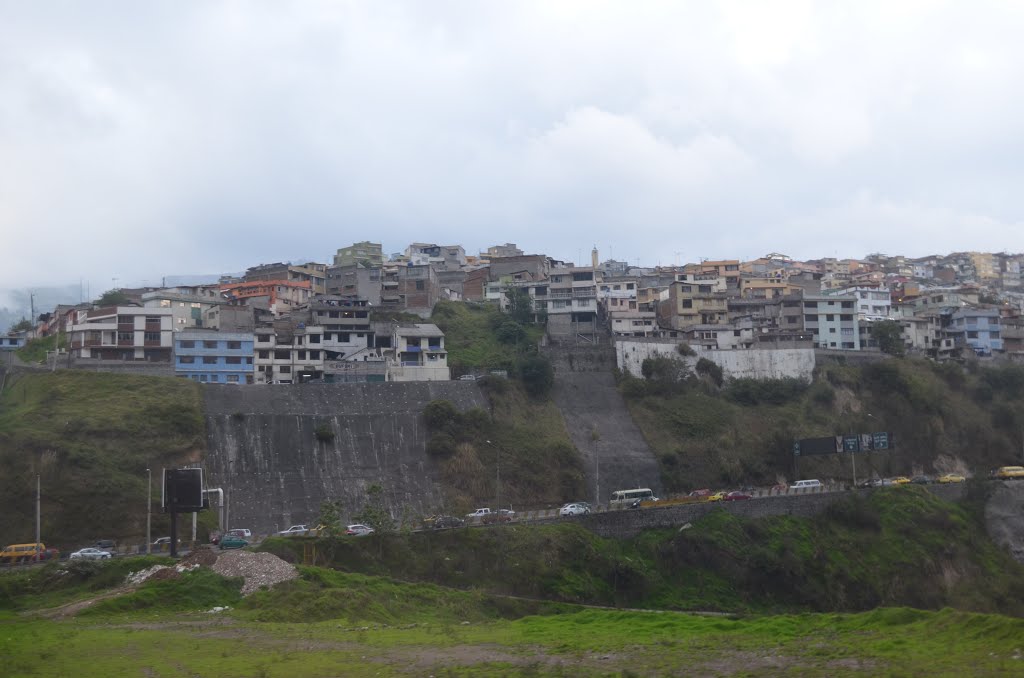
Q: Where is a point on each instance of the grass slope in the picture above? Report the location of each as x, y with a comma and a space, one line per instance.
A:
943, 417
91, 437
900, 546
471, 337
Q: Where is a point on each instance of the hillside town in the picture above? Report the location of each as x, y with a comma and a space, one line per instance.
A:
355, 319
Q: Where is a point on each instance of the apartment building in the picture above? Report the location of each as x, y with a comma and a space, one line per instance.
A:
190, 305
213, 357
288, 352
572, 302
365, 253
695, 299
763, 287
312, 273
122, 333
355, 281
280, 296
509, 249
418, 354
832, 320
347, 331
978, 329
873, 303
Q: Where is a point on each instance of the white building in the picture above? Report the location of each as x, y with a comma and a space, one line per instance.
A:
122, 333
418, 354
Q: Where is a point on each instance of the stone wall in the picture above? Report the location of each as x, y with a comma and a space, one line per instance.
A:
749, 363
280, 450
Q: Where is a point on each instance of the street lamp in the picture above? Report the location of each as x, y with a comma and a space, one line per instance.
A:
148, 511
497, 500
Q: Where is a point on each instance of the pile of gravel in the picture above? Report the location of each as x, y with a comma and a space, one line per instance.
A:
258, 569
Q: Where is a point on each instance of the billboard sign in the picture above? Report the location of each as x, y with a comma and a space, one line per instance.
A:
183, 490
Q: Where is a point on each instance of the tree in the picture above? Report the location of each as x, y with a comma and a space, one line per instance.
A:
510, 332
329, 519
519, 305
537, 374
711, 370
375, 512
21, 326
889, 335
112, 298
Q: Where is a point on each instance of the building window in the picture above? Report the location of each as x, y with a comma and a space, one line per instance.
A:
687, 303
282, 355
302, 355
285, 369
810, 318
248, 361
262, 338
314, 355
232, 378
209, 360
233, 360
152, 336
203, 377
791, 319
829, 317
186, 359
419, 284
186, 344
234, 345
209, 344
264, 355
314, 338
125, 336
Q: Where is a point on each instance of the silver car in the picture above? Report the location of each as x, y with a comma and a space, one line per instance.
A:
90, 554
574, 509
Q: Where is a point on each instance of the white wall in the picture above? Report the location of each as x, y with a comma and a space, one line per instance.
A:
737, 364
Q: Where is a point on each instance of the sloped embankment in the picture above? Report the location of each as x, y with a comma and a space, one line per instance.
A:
615, 454
281, 451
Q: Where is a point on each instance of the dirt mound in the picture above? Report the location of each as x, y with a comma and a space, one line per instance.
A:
203, 557
258, 569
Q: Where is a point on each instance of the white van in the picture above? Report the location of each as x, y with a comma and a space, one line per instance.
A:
805, 485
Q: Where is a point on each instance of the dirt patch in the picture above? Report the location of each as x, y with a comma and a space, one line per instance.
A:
71, 609
203, 557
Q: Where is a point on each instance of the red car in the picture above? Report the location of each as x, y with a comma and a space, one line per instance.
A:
736, 496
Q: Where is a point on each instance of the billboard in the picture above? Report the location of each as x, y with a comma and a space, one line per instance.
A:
183, 490
853, 442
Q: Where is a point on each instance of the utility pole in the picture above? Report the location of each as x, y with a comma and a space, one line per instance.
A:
149, 511
38, 505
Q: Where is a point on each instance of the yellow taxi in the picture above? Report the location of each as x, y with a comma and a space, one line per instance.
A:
1009, 472
717, 496
950, 478
900, 480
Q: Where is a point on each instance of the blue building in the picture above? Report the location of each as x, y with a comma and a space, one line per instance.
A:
976, 328
213, 357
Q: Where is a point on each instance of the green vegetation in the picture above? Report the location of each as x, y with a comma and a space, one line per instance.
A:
112, 298
91, 437
479, 337
36, 350
539, 465
896, 641
901, 546
56, 583
943, 417
195, 590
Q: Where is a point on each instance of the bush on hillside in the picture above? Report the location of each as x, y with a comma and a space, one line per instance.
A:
711, 370
537, 374
767, 391
440, 415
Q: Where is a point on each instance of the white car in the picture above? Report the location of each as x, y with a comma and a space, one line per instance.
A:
90, 554
359, 530
294, 530
574, 510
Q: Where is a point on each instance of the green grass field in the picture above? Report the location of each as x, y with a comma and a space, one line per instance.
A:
895, 641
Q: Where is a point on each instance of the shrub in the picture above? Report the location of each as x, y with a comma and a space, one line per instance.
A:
711, 370
684, 349
770, 391
441, 446
510, 332
537, 374
324, 433
440, 415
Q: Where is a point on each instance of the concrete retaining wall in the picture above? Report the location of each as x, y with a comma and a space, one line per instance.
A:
265, 451
780, 363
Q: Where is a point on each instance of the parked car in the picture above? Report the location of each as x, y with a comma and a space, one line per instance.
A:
358, 530
950, 478
900, 480
811, 484
294, 530
90, 553
736, 496
479, 514
921, 480
446, 522
231, 541
163, 544
574, 509
881, 482
240, 532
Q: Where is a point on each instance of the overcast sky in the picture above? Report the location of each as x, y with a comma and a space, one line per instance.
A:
141, 139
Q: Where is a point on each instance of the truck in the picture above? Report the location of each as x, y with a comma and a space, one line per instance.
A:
479, 514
